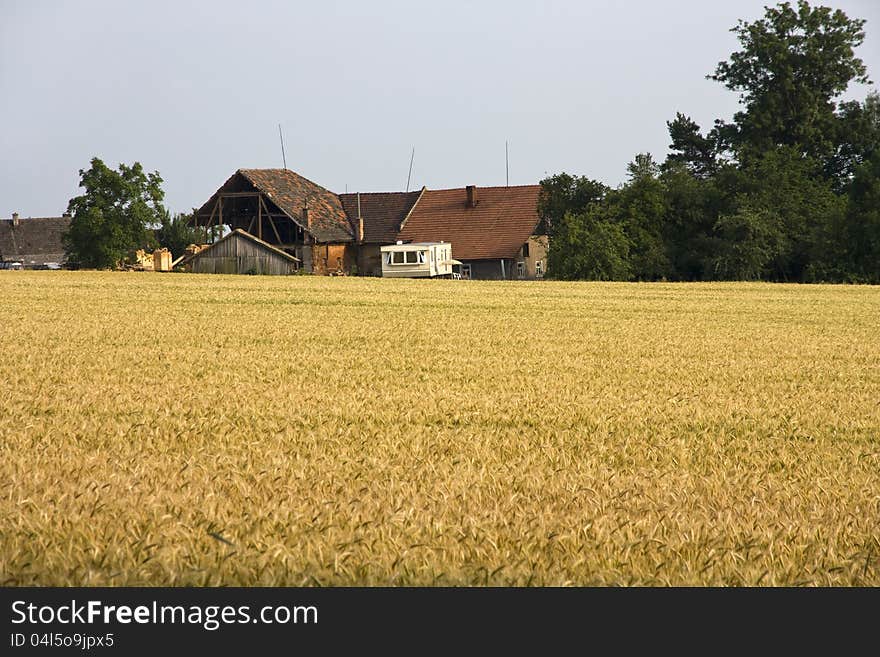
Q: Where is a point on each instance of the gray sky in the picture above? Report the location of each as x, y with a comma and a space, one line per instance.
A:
196, 90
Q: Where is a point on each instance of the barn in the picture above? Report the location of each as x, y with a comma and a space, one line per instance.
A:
287, 211
240, 252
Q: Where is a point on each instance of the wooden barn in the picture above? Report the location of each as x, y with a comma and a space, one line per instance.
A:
289, 212
240, 252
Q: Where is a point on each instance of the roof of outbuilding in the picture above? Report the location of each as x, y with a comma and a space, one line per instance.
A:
501, 222
291, 193
34, 240
245, 235
383, 213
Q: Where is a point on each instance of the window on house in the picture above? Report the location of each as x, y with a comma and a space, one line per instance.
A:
397, 257
465, 271
539, 268
386, 257
520, 269
526, 250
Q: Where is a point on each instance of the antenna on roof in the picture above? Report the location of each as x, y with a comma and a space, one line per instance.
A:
409, 175
506, 164
281, 134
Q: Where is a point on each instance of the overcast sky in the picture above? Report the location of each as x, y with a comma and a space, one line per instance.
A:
196, 90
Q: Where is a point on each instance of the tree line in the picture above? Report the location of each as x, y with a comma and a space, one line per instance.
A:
788, 190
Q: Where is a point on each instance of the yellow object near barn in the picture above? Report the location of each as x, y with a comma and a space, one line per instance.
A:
161, 260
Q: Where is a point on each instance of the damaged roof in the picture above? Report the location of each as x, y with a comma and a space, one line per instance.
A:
496, 227
291, 193
383, 213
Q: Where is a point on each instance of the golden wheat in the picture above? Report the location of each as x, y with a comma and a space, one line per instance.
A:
207, 430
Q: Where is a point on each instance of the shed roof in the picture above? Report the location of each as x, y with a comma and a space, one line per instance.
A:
34, 241
383, 213
501, 222
243, 234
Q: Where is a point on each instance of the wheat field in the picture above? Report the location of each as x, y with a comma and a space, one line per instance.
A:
177, 429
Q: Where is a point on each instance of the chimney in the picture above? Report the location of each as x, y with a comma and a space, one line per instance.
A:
471, 196
360, 228
15, 218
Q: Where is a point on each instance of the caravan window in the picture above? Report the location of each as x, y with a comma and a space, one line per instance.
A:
406, 257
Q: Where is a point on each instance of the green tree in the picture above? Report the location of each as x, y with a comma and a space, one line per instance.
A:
641, 206
176, 233
861, 231
588, 246
794, 63
565, 193
751, 240
691, 148
858, 138
693, 207
781, 188
110, 220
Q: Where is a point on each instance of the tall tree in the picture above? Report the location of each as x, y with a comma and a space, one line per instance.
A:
694, 204
691, 148
794, 64
111, 219
641, 206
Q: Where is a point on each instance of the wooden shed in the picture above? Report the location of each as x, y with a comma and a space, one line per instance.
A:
239, 252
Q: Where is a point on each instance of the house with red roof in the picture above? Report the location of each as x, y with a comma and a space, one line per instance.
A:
494, 231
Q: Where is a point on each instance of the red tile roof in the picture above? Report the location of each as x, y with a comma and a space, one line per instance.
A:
501, 222
383, 212
290, 192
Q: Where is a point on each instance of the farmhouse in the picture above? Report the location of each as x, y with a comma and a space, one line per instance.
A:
240, 252
34, 242
493, 230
